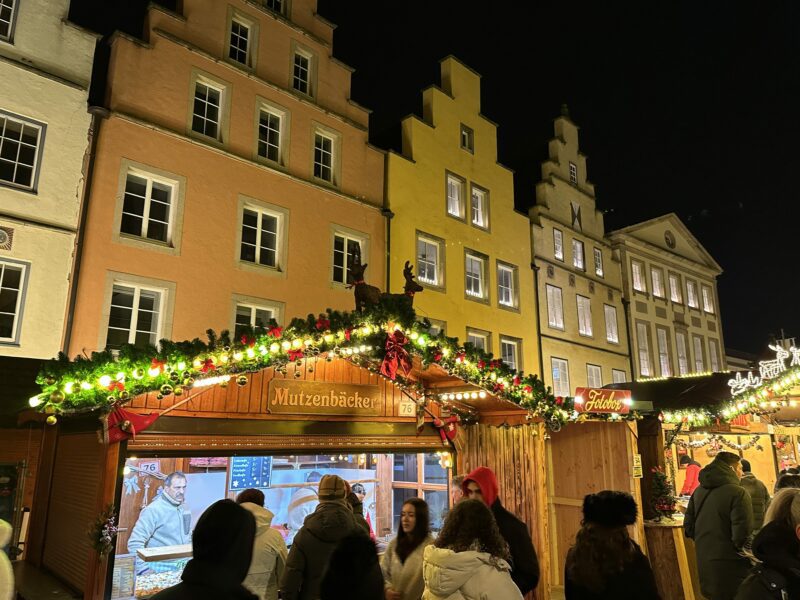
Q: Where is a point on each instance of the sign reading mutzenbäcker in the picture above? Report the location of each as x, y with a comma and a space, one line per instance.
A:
318, 398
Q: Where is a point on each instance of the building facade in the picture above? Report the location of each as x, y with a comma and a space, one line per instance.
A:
671, 291
579, 282
233, 179
454, 218
45, 67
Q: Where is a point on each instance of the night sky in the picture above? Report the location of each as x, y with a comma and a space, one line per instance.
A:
689, 107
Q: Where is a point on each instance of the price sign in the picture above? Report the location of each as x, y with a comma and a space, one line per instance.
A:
250, 472
407, 408
637, 466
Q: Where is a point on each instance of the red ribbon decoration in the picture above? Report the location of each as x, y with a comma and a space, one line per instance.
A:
448, 429
124, 425
248, 341
516, 380
347, 333
157, 364
323, 323
295, 354
396, 356
116, 385
208, 365
275, 332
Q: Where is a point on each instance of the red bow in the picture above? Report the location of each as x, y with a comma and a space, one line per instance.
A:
275, 332
516, 379
208, 365
494, 364
437, 356
448, 429
124, 425
295, 354
323, 323
559, 400
481, 364
528, 389
396, 356
248, 340
347, 333
498, 387
116, 385
156, 364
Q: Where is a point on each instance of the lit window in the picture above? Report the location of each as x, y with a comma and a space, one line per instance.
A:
419, 476
7, 17
657, 277
134, 316
260, 231
506, 294
479, 339
239, 43
251, 317
555, 310
708, 302
560, 369
206, 110
20, 149
699, 363
301, 75
12, 288
664, 362
713, 355
345, 250
269, 136
323, 157
644, 350
584, 316
147, 208
691, 294
594, 376
480, 212
638, 276
675, 288
577, 255
455, 197
428, 261
509, 352
475, 276
683, 355
573, 173
618, 376
612, 333
467, 138
558, 244
598, 262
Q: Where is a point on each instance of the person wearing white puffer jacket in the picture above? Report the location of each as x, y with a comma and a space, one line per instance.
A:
468, 561
269, 549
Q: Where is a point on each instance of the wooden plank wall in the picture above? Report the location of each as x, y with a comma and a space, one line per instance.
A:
23, 445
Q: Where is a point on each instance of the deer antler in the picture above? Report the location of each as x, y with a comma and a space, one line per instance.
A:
407, 271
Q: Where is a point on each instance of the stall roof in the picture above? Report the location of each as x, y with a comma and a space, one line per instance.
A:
678, 393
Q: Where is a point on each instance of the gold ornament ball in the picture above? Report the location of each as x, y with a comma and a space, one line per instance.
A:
242, 380
50, 380
57, 397
188, 382
178, 391
223, 384
124, 395
226, 348
125, 426
174, 376
51, 420
110, 399
297, 374
310, 369
166, 389
187, 374
159, 396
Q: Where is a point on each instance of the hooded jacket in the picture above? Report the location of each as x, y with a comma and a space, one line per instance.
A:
691, 481
466, 575
6, 572
719, 519
759, 497
269, 555
524, 563
222, 547
777, 576
353, 571
313, 545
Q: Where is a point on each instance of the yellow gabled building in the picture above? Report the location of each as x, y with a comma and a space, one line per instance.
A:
454, 219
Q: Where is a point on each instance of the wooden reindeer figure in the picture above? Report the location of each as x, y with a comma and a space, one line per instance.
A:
411, 286
365, 294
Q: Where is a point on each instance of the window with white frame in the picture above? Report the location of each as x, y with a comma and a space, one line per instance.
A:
691, 294
8, 14
675, 288
560, 369
598, 262
270, 125
618, 376
301, 73
12, 289
555, 308
134, 315
429, 261
239, 45
644, 349
573, 173
506, 285
612, 332
207, 107
713, 355
657, 278
664, 359
683, 354
578, 260
260, 237
594, 376
147, 207
558, 244
467, 138
708, 300
479, 339
637, 268
455, 196
699, 362
510, 352
20, 150
252, 317
480, 207
345, 249
584, 316
323, 157
475, 271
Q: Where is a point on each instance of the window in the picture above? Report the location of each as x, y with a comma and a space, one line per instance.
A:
206, 110
699, 363
598, 262
612, 332
594, 376
323, 157
558, 244
664, 362
675, 288
584, 316
147, 208
239, 47
345, 249
506, 285
250, 317
467, 138
691, 294
638, 276
479, 339
429, 261
573, 173
455, 197
269, 135
260, 237
7, 18
277, 6
618, 376
475, 284
509, 352
480, 208
577, 255
555, 311
713, 355
657, 277
437, 327
644, 349
20, 148
560, 369
12, 290
683, 355
134, 317
301, 73
708, 302
420, 476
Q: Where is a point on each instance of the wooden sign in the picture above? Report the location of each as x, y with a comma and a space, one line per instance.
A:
319, 398
594, 400
638, 472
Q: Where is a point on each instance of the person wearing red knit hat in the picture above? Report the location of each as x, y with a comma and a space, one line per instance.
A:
481, 484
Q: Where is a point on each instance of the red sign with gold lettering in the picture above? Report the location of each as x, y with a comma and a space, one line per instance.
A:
593, 400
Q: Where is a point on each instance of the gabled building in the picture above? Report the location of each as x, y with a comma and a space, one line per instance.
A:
579, 283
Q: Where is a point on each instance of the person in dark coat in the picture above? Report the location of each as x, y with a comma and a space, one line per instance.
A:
776, 576
605, 563
787, 480
330, 523
353, 571
759, 495
690, 482
222, 548
482, 485
719, 519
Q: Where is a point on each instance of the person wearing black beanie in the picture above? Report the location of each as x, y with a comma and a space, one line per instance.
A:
605, 563
222, 548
